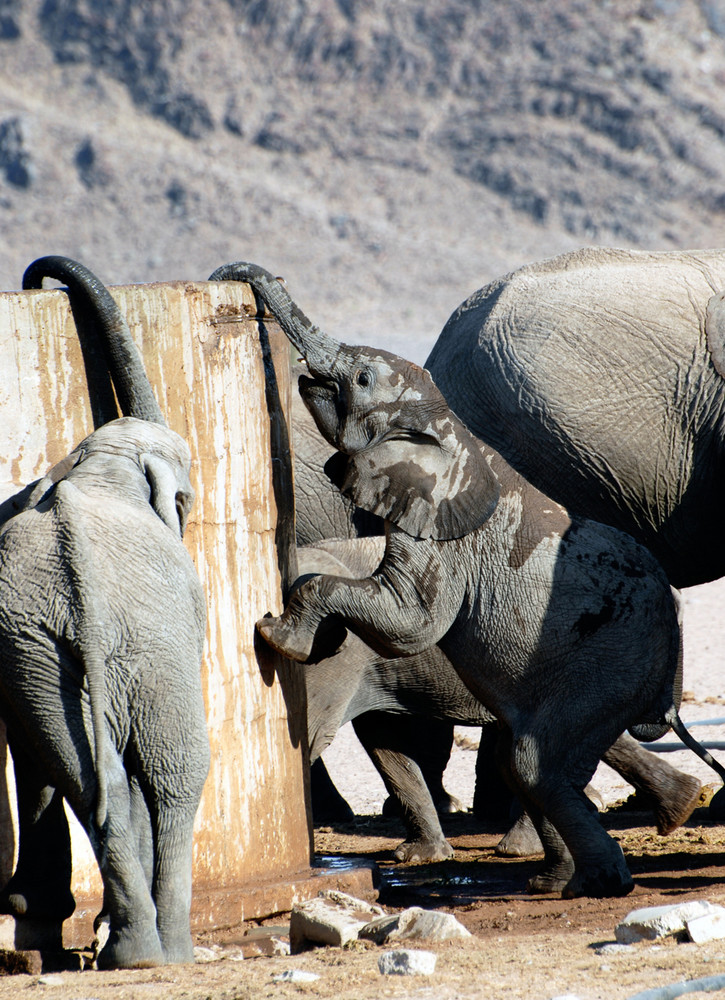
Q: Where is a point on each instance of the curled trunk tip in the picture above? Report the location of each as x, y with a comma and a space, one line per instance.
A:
316, 347
133, 389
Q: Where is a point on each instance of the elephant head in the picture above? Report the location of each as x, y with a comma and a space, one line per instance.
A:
134, 392
171, 498
404, 455
155, 452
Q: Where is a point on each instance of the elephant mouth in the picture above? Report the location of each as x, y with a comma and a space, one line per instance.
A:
315, 386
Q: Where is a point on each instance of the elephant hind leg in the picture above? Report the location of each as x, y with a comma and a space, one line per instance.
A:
171, 762
133, 940
40, 887
673, 794
552, 791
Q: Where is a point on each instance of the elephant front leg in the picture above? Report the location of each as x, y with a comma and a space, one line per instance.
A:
403, 609
404, 780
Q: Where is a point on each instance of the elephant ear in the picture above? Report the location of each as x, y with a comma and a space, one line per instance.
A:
436, 484
167, 499
715, 331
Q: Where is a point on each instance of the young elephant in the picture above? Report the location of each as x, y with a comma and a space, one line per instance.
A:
381, 695
566, 629
102, 625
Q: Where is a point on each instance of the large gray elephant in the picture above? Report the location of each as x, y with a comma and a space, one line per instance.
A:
599, 375
566, 629
102, 626
379, 695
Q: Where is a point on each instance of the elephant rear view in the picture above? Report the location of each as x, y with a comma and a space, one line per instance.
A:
102, 627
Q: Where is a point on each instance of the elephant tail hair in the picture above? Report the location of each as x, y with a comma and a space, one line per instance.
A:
673, 718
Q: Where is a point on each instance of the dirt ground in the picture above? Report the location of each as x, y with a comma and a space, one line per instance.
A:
522, 947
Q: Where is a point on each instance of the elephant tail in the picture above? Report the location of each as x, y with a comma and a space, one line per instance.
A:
95, 666
90, 625
679, 727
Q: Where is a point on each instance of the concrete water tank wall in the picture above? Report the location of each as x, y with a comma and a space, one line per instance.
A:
221, 379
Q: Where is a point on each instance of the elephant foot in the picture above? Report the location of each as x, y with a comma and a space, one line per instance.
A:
716, 809
132, 948
423, 849
179, 951
521, 841
446, 804
36, 903
291, 641
599, 884
682, 799
553, 878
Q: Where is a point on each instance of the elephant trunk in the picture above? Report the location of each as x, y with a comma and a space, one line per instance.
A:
319, 351
133, 389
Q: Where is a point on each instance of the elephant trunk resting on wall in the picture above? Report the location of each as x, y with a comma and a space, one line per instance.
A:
102, 625
566, 629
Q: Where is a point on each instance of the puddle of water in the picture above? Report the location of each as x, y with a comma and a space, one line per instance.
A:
338, 863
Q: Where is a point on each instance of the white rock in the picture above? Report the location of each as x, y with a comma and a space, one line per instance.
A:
708, 927
51, 979
295, 976
332, 918
652, 922
202, 954
415, 923
419, 923
612, 949
405, 962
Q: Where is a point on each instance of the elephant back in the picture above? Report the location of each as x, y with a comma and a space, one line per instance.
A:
591, 374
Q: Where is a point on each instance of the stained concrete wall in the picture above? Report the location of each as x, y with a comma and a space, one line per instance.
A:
206, 361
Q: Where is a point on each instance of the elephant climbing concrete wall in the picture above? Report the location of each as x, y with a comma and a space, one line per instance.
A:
204, 358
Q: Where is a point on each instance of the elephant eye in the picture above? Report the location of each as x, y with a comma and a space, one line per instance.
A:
363, 379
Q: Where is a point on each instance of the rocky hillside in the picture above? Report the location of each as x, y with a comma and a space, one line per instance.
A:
387, 158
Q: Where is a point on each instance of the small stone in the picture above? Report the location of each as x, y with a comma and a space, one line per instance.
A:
652, 922
295, 976
612, 949
407, 963
708, 927
379, 930
13, 962
207, 954
332, 918
52, 979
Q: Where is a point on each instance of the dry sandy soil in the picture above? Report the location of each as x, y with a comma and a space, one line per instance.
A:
522, 946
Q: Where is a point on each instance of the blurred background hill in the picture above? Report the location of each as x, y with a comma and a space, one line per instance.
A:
387, 158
